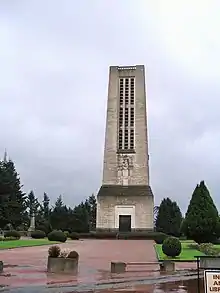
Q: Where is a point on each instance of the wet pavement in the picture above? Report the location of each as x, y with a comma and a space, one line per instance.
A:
26, 267
181, 286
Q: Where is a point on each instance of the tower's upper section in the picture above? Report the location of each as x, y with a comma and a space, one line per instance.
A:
126, 143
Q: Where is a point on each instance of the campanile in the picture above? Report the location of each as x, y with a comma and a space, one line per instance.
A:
125, 198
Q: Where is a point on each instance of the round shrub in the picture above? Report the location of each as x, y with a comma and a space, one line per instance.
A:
54, 251
38, 234
12, 233
57, 236
74, 236
73, 254
172, 247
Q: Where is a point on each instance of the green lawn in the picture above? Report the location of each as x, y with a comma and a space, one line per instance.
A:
187, 253
24, 243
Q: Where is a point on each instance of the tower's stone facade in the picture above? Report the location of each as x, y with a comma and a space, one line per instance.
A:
125, 195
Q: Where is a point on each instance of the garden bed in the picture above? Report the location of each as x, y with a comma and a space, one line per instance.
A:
187, 255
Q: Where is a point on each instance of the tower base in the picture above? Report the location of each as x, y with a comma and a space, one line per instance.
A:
125, 208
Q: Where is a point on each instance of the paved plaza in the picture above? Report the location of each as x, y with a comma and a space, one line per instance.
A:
27, 266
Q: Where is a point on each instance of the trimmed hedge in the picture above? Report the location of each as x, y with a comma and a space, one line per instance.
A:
12, 233
57, 236
74, 236
23, 233
38, 234
158, 237
103, 235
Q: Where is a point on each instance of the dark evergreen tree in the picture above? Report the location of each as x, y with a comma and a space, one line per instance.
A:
13, 200
32, 203
4, 197
81, 219
156, 209
201, 222
92, 212
46, 208
59, 215
169, 218
43, 216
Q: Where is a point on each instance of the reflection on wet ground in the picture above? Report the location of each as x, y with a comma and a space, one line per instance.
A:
25, 268
189, 286
185, 286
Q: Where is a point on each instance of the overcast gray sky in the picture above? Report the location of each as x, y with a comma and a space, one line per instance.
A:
54, 59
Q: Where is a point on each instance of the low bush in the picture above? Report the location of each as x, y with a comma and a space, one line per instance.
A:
172, 246
86, 235
38, 234
8, 239
73, 254
54, 251
194, 246
208, 249
42, 228
57, 236
67, 234
12, 233
74, 236
23, 233
158, 237
103, 235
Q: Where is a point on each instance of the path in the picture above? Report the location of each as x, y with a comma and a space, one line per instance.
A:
27, 266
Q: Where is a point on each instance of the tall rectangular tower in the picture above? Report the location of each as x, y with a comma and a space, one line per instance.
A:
125, 199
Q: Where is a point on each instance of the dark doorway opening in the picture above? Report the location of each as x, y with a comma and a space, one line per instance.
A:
124, 223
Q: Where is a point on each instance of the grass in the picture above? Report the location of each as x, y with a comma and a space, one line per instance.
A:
187, 254
24, 243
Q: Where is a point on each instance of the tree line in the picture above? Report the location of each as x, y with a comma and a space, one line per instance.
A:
16, 207
201, 222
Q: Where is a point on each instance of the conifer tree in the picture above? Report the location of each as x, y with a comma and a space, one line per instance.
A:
201, 222
13, 201
169, 218
32, 203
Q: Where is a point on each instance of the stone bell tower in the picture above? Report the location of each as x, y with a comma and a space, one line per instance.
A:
125, 199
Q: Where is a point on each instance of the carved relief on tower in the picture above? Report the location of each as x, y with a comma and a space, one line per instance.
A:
125, 166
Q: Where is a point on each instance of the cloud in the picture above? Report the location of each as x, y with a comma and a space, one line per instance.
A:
53, 87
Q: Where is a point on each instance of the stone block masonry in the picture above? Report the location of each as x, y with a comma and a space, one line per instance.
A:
125, 199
